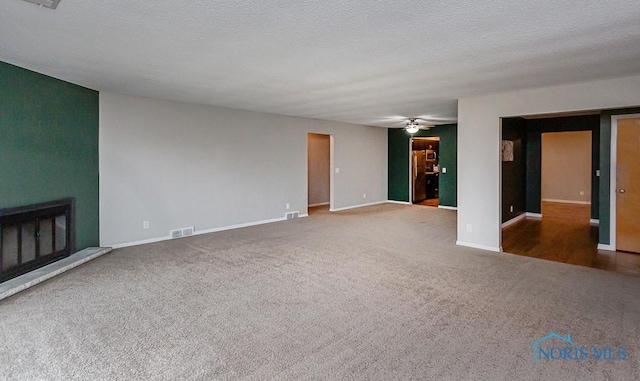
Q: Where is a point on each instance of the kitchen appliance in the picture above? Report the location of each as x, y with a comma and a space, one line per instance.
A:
419, 175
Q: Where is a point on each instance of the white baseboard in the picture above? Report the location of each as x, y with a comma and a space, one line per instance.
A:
594, 221
399, 202
477, 246
514, 220
206, 231
605, 246
533, 215
448, 207
357, 206
567, 201
141, 242
320, 204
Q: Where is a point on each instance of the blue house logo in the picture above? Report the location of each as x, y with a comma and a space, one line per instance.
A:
547, 351
566, 349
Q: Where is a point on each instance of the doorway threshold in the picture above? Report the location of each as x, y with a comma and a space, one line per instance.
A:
30, 279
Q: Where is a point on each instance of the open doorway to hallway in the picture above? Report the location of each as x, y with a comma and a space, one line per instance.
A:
318, 173
566, 175
425, 171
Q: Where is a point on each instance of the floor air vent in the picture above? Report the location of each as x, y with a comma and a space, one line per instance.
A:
180, 233
292, 215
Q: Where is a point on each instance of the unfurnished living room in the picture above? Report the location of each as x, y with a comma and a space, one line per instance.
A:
231, 190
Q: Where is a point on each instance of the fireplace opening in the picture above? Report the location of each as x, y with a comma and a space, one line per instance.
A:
35, 235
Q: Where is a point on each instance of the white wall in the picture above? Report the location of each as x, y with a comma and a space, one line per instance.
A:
178, 165
479, 144
319, 169
566, 166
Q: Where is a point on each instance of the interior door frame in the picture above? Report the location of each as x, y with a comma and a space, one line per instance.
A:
613, 174
331, 170
411, 139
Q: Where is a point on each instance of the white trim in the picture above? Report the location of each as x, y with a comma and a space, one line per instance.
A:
594, 221
448, 207
206, 231
142, 242
476, 246
567, 201
604, 246
30, 279
514, 220
332, 169
358, 206
332, 172
533, 215
398, 202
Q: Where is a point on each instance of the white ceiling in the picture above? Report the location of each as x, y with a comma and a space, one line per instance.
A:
369, 62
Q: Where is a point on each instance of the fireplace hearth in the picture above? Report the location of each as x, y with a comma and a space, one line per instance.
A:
35, 235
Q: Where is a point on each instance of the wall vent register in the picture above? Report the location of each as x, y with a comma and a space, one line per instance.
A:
33, 236
181, 233
292, 215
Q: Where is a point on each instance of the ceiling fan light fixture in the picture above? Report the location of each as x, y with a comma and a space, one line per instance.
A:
412, 126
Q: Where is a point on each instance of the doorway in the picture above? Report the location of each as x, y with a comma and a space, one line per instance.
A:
319, 159
543, 223
425, 171
566, 175
625, 183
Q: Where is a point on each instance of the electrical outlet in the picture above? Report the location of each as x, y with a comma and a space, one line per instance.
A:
364, 195
145, 224
598, 172
444, 170
287, 206
337, 170
581, 193
469, 228
511, 209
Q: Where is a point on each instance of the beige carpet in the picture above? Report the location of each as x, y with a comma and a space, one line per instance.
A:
378, 293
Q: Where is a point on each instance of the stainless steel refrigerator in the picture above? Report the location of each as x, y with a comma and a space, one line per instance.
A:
419, 175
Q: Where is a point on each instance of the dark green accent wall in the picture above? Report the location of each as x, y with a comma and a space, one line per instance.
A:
605, 171
514, 173
398, 165
535, 129
398, 141
49, 145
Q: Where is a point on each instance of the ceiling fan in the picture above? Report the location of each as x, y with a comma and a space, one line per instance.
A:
414, 126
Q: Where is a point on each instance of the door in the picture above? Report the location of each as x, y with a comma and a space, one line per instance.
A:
628, 186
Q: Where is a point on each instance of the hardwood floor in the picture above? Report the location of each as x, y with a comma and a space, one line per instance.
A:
320, 209
429, 202
565, 235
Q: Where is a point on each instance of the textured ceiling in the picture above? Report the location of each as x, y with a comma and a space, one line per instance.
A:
369, 62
